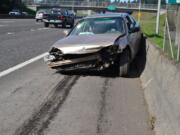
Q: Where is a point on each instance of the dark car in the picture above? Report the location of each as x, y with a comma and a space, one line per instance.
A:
58, 17
98, 42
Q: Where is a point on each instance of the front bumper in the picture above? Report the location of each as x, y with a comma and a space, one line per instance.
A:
49, 59
53, 21
94, 61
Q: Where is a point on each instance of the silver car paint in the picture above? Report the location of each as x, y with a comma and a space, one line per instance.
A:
85, 43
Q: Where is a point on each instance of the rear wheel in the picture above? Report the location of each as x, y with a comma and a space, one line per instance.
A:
124, 63
37, 20
56, 25
46, 24
64, 25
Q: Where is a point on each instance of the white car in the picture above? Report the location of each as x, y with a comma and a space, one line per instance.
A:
15, 13
39, 15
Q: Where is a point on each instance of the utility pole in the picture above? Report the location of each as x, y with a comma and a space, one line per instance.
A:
178, 27
73, 6
158, 17
139, 13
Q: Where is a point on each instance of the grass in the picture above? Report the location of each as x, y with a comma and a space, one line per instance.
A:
29, 11
148, 26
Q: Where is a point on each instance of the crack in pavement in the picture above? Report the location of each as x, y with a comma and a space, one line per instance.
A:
41, 119
101, 117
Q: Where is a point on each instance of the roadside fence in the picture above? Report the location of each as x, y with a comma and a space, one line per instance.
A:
171, 42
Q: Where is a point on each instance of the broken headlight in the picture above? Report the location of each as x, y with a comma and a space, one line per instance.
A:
56, 52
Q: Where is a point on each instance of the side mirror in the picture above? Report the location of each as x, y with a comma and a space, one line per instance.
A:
134, 29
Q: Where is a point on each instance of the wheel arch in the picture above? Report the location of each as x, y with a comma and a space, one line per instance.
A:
130, 50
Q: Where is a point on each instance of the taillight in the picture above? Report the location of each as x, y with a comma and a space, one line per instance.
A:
61, 17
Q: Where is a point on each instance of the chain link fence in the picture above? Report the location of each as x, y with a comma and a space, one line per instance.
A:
171, 42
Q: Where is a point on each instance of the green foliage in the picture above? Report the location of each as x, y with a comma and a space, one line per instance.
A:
148, 26
29, 11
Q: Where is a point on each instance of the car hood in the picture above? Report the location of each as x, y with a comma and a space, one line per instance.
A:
85, 43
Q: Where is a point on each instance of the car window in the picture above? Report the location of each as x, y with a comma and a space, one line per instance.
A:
99, 26
129, 22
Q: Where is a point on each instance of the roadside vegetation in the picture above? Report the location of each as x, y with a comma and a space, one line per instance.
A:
148, 26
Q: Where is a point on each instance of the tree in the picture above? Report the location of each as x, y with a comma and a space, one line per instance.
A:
7, 5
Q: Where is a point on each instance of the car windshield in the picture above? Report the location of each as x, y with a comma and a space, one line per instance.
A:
59, 12
93, 26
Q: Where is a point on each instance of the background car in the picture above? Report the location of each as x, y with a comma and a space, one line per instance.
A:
39, 15
57, 16
15, 12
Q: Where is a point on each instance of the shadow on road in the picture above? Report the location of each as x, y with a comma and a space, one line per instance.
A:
106, 73
136, 68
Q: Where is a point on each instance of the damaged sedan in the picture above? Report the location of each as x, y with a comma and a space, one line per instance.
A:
96, 43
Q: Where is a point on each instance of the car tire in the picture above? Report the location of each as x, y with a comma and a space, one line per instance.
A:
72, 25
124, 63
46, 24
64, 25
37, 20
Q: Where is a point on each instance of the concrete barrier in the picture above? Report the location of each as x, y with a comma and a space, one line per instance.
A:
161, 83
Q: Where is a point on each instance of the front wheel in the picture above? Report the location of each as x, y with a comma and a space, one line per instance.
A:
124, 63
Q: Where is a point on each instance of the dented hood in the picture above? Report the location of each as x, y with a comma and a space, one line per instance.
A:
85, 43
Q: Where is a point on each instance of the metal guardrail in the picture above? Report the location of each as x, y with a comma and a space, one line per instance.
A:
95, 4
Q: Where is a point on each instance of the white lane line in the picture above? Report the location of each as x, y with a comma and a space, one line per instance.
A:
39, 29
10, 33
32, 30
21, 65
6, 21
2, 25
42, 28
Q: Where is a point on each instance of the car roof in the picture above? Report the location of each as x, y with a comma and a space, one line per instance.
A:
108, 15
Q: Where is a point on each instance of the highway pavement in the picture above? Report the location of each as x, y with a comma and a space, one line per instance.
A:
21, 40
36, 100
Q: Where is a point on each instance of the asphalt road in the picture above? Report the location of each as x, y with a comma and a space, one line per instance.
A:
21, 40
36, 100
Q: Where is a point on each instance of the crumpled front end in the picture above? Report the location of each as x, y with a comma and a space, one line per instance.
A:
98, 60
